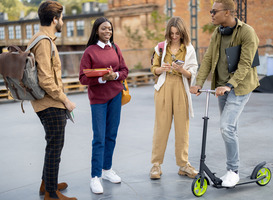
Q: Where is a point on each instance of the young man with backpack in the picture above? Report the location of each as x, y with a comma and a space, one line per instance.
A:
51, 109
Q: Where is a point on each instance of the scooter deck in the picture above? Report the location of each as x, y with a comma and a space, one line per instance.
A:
242, 181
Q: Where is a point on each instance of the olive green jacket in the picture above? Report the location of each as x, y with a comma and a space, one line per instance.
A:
245, 78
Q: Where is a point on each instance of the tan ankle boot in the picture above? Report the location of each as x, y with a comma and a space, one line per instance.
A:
155, 172
188, 170
61, 186
60, 196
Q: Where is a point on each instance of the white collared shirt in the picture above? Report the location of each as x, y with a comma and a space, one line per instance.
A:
102, 45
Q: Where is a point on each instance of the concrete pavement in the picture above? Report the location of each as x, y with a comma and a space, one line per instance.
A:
22, 150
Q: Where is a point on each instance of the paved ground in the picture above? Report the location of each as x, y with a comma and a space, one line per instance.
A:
22, 150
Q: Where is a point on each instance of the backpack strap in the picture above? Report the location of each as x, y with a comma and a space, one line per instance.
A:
161, 47
114, 46
123, 82
40, 37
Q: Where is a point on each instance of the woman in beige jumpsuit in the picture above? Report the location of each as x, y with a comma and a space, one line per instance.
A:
172, 97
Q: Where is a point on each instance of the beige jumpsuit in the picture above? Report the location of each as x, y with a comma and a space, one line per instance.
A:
171, 102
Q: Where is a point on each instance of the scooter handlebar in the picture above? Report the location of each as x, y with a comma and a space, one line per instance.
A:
208, 91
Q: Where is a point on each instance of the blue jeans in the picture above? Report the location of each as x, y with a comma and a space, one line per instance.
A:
231, 107
105, 122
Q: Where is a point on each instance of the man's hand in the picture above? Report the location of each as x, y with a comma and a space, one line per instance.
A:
69, 105
220, 91
194, 90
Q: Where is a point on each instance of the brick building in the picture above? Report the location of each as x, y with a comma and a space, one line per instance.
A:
137, 15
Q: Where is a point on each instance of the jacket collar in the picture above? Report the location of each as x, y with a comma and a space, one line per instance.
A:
44, 30
239, 23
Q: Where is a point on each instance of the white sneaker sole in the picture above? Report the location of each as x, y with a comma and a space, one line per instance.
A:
97, 192
110, 180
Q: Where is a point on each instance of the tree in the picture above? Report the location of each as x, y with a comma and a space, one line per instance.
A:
31, 2
12, 8
135, 39
156, 33
209, 27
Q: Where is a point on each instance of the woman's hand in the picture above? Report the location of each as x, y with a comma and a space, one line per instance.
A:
109, 76
165, 68
178, 68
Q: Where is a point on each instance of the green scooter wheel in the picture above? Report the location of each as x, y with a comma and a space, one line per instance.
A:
264, 172
196, 188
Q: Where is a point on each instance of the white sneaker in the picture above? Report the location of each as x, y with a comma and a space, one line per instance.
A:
96, 186
224, 177
230, 179
111, 176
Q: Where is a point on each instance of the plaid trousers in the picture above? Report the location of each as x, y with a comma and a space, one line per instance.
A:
54, 122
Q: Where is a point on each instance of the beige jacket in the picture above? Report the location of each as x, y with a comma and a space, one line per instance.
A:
49, 73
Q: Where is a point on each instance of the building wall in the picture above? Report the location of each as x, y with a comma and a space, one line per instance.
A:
62, 40
136, 14
259, 16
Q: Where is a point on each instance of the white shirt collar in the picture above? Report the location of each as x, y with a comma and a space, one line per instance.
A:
102, 45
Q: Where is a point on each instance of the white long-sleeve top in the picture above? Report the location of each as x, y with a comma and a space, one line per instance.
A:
190, 65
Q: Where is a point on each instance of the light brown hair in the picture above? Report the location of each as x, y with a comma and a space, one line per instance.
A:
178, 23
48, 10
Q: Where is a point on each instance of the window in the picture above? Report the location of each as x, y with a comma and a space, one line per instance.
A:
11, 32
29, 31
18, 33
2, 33
80, 28
58, 34
36, 28
70, 28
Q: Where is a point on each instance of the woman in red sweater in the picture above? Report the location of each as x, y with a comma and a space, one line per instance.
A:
105, 99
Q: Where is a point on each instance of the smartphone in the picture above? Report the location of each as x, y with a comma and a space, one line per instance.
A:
179, 62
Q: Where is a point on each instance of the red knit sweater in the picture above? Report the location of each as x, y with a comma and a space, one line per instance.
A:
96, 57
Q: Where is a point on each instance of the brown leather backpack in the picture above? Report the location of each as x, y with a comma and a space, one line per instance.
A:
19, 71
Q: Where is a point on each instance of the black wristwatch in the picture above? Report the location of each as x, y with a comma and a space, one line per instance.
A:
230, 86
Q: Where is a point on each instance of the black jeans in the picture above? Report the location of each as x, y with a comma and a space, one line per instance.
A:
54, 122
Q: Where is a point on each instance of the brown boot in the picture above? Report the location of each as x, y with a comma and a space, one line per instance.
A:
61, 186
60, 196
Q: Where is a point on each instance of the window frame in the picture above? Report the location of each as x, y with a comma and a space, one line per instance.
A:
70, 28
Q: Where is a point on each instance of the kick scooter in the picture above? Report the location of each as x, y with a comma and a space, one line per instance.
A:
261, 174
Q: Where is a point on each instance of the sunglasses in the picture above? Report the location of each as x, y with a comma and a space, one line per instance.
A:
215, 11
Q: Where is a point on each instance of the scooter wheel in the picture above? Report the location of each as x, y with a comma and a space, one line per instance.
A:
264, 172
196, 188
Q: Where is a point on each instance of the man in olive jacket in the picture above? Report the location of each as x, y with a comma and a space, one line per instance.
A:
232, 89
